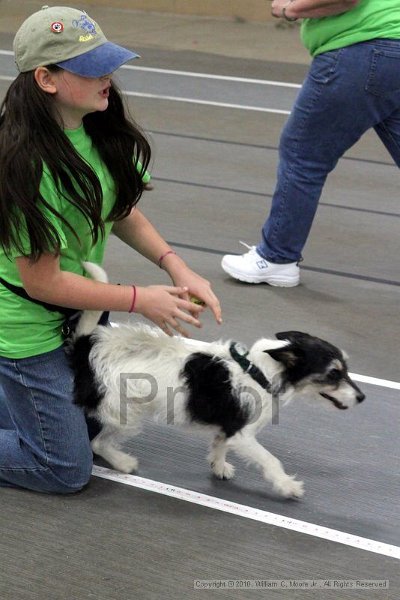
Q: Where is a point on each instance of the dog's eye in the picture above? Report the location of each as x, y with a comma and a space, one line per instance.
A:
335, 374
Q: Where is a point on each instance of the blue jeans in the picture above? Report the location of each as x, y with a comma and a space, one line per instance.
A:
346, 92
44, 443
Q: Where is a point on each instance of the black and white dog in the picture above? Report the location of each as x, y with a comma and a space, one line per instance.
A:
127, 372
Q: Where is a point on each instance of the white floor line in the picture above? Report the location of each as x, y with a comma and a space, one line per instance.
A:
216, 77
198, 75
208, 103
191, 101
394, 385
195, 100
249, 512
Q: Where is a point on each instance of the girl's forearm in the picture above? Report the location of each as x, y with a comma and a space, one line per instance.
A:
75, 291
137, 232
45, 281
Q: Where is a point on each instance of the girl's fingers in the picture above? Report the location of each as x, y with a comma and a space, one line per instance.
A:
191, 307
213, 304
215, 307
178, 310
181, 330
210, 300
174, 322
187, 318
177, 290
166, 329
168, 326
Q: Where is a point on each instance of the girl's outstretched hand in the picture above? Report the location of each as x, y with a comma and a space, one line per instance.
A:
199, 290
167, 306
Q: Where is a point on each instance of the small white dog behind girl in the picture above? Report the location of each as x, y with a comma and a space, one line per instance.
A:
127, 372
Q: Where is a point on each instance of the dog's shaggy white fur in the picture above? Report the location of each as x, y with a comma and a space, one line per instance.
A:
124, 373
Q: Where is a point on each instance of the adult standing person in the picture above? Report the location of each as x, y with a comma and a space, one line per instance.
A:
72, 166
353, 85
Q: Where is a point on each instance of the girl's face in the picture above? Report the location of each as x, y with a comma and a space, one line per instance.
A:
77, 96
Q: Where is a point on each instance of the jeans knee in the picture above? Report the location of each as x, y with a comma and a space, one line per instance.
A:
49, 478
71, 478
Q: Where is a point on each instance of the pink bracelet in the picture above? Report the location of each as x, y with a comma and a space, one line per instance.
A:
163, 256
132, 308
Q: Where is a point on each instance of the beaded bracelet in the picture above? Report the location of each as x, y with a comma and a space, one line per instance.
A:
163, 256
132, 308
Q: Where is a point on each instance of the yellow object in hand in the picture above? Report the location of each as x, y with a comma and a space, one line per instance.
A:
197, 300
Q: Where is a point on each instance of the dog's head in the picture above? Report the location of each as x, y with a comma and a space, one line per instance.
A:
314, 366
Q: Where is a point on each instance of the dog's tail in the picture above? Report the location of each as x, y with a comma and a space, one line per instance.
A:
90, 318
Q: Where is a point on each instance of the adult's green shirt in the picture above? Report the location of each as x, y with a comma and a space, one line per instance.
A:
369, 20
28, 329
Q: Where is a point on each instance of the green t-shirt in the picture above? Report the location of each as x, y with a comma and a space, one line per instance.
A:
368, 20
28, 329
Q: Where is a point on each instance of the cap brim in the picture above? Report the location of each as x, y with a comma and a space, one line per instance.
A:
100, 61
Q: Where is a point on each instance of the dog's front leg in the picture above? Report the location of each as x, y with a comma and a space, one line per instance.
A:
217, 456
253, 452
107, 445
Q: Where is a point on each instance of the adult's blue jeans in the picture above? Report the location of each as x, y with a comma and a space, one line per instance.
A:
44, 442
345, 93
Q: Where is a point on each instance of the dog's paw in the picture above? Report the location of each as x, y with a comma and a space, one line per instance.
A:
289, 488
223, 471
126, 463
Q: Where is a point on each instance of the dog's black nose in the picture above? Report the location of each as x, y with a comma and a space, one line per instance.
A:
360, 397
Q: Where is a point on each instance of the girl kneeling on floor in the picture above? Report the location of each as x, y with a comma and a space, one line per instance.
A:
72, 168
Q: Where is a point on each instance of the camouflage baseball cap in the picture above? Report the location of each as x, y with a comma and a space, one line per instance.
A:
69, 38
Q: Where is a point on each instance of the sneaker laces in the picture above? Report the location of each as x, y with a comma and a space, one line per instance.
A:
251, 249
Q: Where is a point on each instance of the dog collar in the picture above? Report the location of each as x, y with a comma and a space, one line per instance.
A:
239, 354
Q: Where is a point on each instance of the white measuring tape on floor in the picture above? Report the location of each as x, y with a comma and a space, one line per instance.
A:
249, 512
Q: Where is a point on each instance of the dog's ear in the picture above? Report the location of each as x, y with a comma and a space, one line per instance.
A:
289, 355
285, 355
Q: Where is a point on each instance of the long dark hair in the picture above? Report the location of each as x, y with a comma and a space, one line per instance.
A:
31, 137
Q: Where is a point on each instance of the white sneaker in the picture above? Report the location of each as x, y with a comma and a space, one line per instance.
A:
253, 268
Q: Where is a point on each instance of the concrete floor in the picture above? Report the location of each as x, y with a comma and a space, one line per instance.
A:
214, 172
